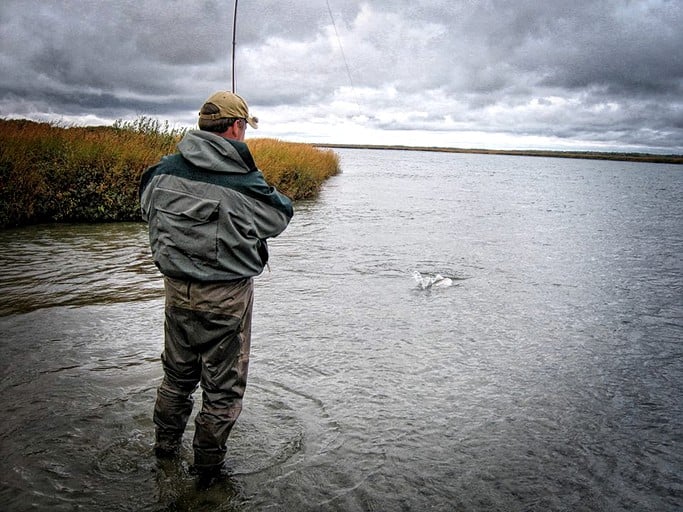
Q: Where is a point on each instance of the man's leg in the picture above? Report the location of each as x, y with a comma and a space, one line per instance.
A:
182, 370
225, 363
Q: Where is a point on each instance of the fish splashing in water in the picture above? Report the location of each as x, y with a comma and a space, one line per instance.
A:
431, 281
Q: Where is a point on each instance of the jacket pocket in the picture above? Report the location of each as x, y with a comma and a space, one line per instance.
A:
186, 222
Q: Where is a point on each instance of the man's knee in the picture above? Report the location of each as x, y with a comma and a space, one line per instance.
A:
172, 389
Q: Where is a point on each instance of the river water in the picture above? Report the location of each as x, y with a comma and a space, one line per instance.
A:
544, 372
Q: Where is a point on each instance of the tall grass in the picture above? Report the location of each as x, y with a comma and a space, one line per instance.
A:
50, 173
295, 168
54, 174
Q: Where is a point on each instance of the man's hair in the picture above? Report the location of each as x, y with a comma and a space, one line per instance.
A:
214, 125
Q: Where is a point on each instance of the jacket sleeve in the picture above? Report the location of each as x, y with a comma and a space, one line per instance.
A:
145, 192
271, 209
272, 217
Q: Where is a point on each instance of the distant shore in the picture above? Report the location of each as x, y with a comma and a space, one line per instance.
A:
589, 155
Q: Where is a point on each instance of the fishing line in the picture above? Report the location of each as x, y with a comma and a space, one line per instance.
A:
336, 34
341, 49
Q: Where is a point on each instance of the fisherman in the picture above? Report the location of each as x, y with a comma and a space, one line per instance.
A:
210, 213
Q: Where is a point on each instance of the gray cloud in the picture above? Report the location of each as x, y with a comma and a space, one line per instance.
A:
605, 74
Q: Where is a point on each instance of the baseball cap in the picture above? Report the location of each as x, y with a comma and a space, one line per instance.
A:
229, 105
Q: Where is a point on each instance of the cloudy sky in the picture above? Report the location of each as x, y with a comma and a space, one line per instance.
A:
579, 74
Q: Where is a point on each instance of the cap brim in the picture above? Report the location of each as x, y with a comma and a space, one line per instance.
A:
253, 122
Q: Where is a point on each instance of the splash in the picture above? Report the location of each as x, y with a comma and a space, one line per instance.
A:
427, 281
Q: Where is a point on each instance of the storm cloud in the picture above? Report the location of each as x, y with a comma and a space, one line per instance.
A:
604, 75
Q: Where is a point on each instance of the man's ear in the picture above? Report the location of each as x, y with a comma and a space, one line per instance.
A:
231, 132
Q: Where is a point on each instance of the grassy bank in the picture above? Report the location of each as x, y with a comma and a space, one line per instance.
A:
590, 155
91, 174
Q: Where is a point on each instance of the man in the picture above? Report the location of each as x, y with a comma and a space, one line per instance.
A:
210, 212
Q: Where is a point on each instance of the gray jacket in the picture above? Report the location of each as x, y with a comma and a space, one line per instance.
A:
210, 210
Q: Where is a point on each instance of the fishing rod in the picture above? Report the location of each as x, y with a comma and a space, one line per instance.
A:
234, 43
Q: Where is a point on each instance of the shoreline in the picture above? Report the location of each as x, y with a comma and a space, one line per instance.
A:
585, 155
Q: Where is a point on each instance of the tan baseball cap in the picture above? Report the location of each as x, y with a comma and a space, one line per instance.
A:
229, 105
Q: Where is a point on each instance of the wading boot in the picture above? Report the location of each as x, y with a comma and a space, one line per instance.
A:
167, 445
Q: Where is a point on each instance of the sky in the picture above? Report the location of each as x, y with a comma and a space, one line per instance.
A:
595, 75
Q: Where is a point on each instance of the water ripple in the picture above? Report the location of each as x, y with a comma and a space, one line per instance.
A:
546, 377
76, 265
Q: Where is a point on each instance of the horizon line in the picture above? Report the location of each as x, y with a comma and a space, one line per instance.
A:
672, 158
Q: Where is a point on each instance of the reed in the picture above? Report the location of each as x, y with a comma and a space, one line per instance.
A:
50, 173
295, 168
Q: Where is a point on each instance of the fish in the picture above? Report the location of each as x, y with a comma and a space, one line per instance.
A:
432, 281
441, 282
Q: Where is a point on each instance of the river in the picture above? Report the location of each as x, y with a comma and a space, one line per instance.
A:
542, 373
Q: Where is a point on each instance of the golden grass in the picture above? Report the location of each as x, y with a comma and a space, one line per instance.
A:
295, 168
91, 174
50, 173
